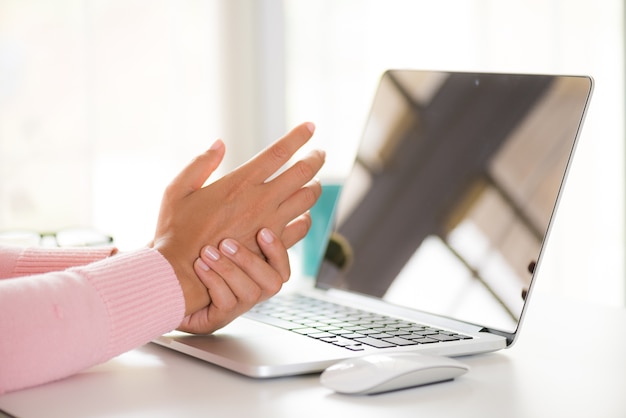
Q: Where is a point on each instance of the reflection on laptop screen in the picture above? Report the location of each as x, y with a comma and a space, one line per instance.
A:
453, 189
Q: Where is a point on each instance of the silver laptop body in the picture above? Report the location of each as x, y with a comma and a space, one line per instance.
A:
439, 227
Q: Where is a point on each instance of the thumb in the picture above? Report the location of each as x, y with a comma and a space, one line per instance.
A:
198, 171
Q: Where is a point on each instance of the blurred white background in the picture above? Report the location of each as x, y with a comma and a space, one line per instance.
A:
102, 102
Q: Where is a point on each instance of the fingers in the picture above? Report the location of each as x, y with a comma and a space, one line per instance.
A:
300, 201
229, 285
268, 161
275, 253
296, 230
197, 172
296, 188
237, 278
219, 291
299, 174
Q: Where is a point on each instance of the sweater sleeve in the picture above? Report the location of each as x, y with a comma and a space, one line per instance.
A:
18, 261
56, 324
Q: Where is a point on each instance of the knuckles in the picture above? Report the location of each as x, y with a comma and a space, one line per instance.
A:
311, 194
304, 170
272, 288
279, 153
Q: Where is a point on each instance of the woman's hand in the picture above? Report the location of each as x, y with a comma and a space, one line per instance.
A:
237, 279
237, 206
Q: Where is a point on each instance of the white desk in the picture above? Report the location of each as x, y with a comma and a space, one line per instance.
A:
580, 372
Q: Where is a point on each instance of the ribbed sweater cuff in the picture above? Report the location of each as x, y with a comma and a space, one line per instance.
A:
141, 294
43, 260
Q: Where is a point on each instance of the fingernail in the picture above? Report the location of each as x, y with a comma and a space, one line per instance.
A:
317, 152
230, 246
203, 265
310, 126
217, 145
267, 235
212, 253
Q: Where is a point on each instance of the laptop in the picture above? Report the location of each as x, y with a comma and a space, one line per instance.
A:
437, 231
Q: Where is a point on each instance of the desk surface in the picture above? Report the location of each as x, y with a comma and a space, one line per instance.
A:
570, 361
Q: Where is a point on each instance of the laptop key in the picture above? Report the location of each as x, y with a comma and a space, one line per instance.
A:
270, 320
444, 337
340, 331
328, 328
400, 341
338, 341
399, 333
320, 335
355, 328
355, 347
353, 335
307, 331
425, 340
381, 335
374, 342
369, 332
426, 332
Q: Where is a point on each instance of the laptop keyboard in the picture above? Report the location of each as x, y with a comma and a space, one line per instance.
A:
343, 326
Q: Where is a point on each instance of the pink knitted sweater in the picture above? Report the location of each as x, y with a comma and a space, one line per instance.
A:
64, 310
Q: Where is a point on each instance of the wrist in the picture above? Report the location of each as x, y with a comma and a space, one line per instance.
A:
194, 292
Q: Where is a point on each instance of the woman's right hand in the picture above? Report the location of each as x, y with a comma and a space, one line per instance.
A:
237, 279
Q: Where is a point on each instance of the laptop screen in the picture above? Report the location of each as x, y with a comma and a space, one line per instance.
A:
453, 189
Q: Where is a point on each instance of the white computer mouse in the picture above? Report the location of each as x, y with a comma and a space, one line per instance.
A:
376, 373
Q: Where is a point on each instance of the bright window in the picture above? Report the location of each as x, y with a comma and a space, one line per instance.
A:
101, 103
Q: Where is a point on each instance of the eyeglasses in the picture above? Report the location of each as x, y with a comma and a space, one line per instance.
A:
64, 238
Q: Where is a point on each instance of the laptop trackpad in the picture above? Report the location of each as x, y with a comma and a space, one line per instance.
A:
256, 349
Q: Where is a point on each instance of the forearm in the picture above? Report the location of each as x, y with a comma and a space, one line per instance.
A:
56, 324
